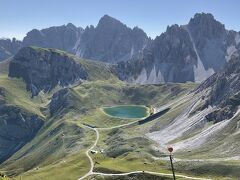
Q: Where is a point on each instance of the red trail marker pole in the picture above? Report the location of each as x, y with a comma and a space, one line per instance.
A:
170, 149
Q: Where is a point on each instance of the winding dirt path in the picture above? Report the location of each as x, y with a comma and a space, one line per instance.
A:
148, 172
90, 172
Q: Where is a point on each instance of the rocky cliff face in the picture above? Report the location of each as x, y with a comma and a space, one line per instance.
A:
169, 58
223, 91
59, 101
17, 127
192, 52
8, 48
213, 42
111, 41
44, 69
59, 37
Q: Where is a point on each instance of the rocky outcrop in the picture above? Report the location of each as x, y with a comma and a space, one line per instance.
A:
223, 91
111, 41
8, 48
59, 101
17, 127
44, 69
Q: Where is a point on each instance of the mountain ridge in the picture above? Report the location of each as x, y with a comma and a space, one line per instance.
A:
81, 42
200, 53
183, 53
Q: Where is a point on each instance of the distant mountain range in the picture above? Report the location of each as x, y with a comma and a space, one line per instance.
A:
183, 53
110, 41
190, 52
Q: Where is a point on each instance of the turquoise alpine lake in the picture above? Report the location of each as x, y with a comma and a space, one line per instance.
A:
127, 111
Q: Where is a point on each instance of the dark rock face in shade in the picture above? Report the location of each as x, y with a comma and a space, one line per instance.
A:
17, 127
44, 69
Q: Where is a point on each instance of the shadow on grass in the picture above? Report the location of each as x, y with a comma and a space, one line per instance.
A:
154, 116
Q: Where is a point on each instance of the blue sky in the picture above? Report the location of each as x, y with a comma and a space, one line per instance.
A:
17, 17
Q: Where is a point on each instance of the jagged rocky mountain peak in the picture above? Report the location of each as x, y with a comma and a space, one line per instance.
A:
106, 19
173, 28
111, 25
71, 25
138, 31
111, 41
203, 19
173, 33
182, 53
206, 25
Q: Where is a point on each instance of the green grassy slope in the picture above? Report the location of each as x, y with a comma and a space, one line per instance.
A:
15, 93
58, 150
132, 177
49, 149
